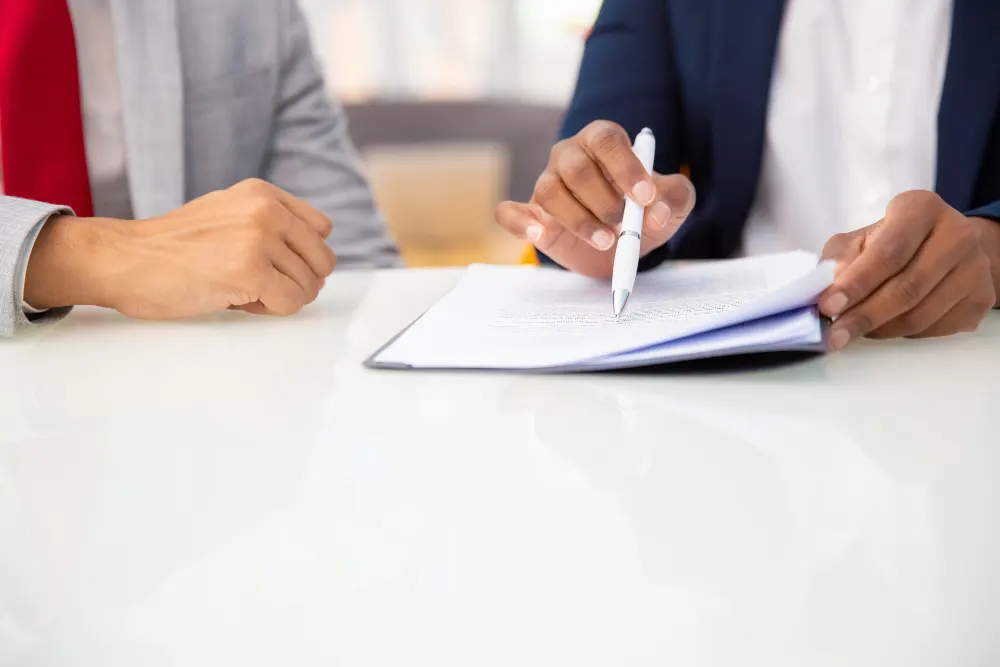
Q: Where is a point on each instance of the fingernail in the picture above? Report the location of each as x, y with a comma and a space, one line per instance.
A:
835, 304
661, 214
534, 233
839, 338
643, 193
603, 239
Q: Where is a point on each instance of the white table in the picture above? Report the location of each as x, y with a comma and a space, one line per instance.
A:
241, 491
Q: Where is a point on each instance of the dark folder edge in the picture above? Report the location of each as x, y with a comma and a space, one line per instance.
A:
602, 365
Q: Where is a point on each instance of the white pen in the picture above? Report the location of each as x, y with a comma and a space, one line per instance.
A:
630, 238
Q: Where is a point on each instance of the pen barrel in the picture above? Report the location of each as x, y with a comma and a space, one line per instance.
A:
644, 148
632, 220
626, 263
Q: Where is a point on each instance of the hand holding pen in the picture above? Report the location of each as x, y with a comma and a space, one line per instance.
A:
575, 214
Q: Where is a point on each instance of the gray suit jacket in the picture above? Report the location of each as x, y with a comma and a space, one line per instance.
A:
216, 92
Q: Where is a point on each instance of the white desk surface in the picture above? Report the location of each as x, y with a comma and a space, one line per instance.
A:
241, 491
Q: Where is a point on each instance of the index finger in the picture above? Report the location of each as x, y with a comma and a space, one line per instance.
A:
887, 251
610, 146
307, 213
297, 207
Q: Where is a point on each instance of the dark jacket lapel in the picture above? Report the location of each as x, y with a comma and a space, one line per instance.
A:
746, 33
969, 100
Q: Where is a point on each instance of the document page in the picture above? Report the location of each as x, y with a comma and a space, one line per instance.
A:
526, 317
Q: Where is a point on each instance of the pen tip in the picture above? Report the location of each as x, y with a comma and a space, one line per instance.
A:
620, 298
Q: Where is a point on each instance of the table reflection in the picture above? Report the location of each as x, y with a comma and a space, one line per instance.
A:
137, 450
808, 517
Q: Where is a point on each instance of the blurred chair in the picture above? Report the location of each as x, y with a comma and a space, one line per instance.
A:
439, 168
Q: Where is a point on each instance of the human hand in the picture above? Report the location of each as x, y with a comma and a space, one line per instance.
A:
253, 247
922, 271
579, 200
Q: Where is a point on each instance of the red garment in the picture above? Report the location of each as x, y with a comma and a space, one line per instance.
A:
41, 121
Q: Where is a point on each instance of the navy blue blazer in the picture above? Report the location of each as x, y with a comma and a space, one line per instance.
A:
698, 72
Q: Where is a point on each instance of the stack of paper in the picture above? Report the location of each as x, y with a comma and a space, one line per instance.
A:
524, 318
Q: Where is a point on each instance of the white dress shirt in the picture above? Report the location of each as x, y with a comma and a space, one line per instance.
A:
852, 119
103, 122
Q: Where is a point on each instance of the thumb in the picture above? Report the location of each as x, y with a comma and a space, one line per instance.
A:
675, 200
844, 249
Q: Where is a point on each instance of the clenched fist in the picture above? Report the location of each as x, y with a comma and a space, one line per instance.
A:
252, 247
924, 270
578, 203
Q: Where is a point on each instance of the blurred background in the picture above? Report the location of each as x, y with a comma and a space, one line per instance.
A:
454, 105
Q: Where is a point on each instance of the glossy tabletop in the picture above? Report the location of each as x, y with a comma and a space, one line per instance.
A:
241, 491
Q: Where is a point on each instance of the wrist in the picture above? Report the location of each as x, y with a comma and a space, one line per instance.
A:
991, 244
75, 262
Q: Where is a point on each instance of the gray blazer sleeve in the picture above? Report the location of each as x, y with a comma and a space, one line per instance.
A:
18, 220
313, 157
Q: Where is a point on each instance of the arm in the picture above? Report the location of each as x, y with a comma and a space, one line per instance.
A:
20, 221
629, 76
313, 157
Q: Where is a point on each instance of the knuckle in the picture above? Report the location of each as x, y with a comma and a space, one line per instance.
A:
921, 198
612, 214
974, 316
262, 211
598, 129
914, 200
909, 289
255, 186
927, 200
894, 255
863, 323
605, 135
579, 225
910, 323
835, 245
325, 224
548, 189
966, 234
609, 141
921, 208
985, 301
576, 167
560, 149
